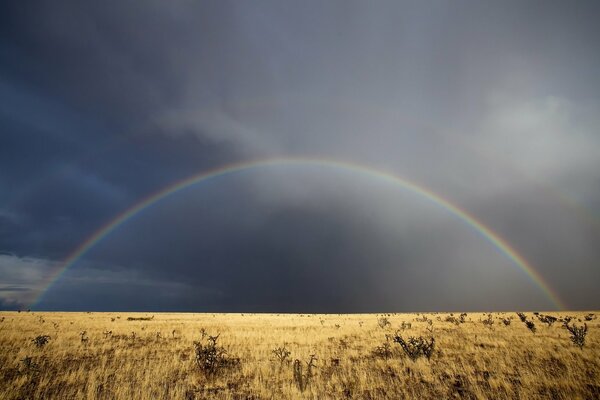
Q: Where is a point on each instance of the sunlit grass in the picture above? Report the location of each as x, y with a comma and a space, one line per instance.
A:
119, 355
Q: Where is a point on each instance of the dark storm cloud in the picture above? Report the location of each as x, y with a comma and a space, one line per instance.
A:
494, 106
328, 251
9, 305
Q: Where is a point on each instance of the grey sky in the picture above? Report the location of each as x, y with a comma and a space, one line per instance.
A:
492, 106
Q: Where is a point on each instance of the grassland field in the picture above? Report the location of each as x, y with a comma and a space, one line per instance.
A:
122, 355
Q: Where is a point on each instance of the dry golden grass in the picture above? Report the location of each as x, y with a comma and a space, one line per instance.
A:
155, 359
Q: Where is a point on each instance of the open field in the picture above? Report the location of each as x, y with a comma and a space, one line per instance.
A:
115, 355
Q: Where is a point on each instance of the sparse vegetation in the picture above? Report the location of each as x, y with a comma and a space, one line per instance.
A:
383, 351
302, 379
547, 319
415, 347
282, 354
29, 364
383, 323
140, 318
489, 321
212, 359
253, 357
530, 325
41, 340
577, 334
589, 317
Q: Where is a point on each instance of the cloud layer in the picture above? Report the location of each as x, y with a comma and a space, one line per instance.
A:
493, 107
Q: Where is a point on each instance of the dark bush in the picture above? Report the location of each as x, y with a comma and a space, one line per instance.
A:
211, 358
41, 340
415, 347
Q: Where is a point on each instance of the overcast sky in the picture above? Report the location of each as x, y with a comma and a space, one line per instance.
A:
494, 106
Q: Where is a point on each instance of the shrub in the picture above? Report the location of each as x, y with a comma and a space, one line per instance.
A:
422, 319
29, 364
282, 354
415, 347
547, 319
211, 358
530, 325
577, 334
302, 379
140, 318
383, 322
383, 351
489, 321
41, 340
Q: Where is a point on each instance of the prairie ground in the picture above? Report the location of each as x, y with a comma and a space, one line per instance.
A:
355, 356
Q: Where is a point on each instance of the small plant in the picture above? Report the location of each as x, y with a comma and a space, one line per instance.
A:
430, 327
383, 322
589, 317
211, 358
530, 325
41, 340
577, 334
506, 321
301, 379
489, 321
282, 354
140, 318
415, 347
422, 319
547, 319
405, 325
383, 351
30, 365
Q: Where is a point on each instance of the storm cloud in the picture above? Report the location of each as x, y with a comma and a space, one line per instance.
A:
493, 107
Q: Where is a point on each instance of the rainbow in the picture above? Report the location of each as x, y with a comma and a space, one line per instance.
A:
384, 176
